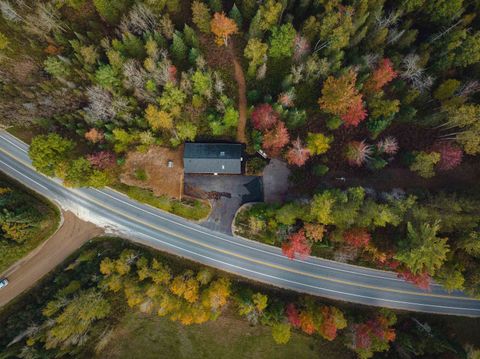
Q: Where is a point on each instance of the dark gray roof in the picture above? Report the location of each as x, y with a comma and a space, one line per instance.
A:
222, 158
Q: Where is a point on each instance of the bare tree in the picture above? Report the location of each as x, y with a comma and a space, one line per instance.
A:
44, 21
412, 72
139, 20
100, 105
8, 12
468, 88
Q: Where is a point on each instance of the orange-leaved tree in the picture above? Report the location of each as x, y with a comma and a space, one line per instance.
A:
223, 27
341, 98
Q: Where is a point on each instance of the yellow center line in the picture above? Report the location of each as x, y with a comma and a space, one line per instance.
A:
267, 264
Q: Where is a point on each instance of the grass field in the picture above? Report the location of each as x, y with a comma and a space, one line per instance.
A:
152, 337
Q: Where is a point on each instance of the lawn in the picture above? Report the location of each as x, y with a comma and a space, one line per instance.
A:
10, 252
142, 336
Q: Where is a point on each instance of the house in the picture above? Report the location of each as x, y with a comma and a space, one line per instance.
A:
213, 158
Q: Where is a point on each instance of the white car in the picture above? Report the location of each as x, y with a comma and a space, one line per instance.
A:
3, 283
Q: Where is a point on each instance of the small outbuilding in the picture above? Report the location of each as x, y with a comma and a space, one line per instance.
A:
213, 158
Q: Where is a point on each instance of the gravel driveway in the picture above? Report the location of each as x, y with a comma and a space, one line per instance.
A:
230, 193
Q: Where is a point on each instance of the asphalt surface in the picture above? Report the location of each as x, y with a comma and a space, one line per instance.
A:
243, 257
236, 191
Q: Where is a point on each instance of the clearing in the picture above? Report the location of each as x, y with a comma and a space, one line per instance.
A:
150, 170
142, 336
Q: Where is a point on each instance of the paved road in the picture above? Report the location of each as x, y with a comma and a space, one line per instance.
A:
246, 258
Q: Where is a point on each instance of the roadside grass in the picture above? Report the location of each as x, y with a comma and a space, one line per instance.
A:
26, 134
188, 208
11, 252
142, 336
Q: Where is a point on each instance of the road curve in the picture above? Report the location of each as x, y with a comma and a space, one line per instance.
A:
155, 228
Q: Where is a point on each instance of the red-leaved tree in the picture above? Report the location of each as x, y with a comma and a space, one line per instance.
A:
264, 117
297, 154
293, 315
450, 155
357, 237
382, 75
421, 280
296, 244
332, 317
356, 112
275, 139
102, 160
373, 335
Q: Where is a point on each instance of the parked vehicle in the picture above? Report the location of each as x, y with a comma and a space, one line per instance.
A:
3, 283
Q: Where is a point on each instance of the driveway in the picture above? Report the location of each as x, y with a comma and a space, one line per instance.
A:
275, 181
226, 193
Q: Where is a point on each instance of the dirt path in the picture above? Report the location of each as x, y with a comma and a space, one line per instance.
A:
26, 272
242, 99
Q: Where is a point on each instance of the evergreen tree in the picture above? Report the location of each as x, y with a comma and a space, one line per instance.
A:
178, 48
236, 15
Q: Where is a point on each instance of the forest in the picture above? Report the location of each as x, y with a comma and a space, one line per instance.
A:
74, 312
25, 221
374, 106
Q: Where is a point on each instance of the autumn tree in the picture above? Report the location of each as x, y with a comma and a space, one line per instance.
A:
72, 325
318, 143
357, 237
217, 294
281, 333
185, 286
382, 75
158, 119
264, 117
341, 98
321, 207
102, 160
422, 280
311, 318
296, 244
355, 114
94, 135
252, 305
314, 231
297, 154
222, 27
450, 155
374, 335
275, 139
